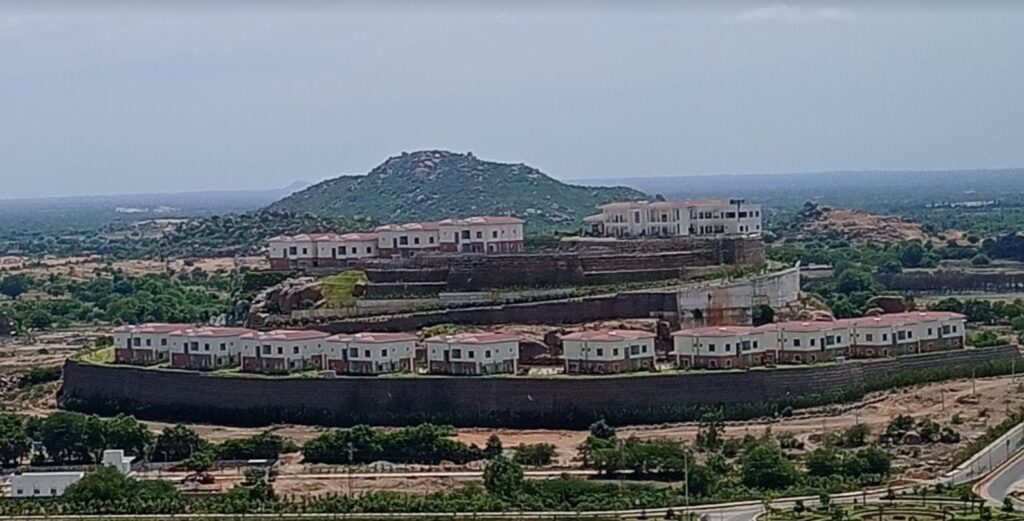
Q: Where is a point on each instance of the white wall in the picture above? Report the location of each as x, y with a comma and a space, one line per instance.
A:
606, 351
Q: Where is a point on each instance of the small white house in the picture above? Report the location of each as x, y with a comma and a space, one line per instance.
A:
370, 353
207, 347
719, 347
473, 353
144, 343
608, 351
283, 350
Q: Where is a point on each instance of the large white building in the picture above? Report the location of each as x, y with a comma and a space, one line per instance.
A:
53, 484
480, 234
608, 351
697, 218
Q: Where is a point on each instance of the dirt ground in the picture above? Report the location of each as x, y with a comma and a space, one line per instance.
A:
86, 267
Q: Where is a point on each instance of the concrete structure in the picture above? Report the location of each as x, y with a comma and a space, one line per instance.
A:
473, 354
906, 333
283, 351
702, 218
53, 484
481, 234
806, 342
207, 347
144, 344
42, 484
722, 347
370, 353
484, 234
604, 351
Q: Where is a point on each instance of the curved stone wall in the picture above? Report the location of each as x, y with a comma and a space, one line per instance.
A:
486, 401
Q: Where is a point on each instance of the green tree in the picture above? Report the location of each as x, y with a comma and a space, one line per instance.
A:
71, 437
200, 461
981, 260
126, 433
493, 447
14, 440
912, 254
176, 443
503, 477
14, 285
601, 429
709, 431
824, 463
765, 467
534, 454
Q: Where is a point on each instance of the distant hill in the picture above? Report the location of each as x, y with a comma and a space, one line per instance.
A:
435, 184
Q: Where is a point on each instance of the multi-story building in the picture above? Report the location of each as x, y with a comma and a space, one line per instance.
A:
485, 234
473, 354
407, 240
207, 347
283, 350
482, 234
145, 343
697, 218
906, 333
370, 353
722, 347
807, 342
608, 351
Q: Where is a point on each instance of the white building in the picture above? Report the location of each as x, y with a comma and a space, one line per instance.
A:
719, 347
370, 353
482, 234
207, 347
608, 351
697, 218
807, 342
144, 343
43, 484
473, 353
283, 350
406, 240
906, 333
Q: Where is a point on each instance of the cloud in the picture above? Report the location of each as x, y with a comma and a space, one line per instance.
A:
795, 12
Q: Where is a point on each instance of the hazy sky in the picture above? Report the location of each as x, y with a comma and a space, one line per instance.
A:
129, 97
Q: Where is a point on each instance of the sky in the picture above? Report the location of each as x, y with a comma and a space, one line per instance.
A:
145, 97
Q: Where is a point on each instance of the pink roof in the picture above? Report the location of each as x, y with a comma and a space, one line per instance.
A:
359, 236
373, 338
492, 219
475, 338
621, 205
718, 331
897, 319
152, 327
806, 327
326, 237
608, 335
213, 332
408, 227
285, 334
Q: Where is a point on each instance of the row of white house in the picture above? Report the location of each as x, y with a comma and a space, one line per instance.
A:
699, 218
480, 234
591, 351
808, 342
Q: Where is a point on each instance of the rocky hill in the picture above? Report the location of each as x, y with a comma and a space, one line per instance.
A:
435, 184
856, 226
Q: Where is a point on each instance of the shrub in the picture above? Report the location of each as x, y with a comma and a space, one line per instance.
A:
534, 455
39, 375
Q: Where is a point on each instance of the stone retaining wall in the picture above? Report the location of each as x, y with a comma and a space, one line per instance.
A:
483, 401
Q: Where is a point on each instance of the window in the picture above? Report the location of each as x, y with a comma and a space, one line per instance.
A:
465, 234
354, 251
711, 347
929, 331
305, 251
494, 234
812, 342
430, 239
293, 250
415, 240
403, 240
755, 344
472, 354
479, 235
634, 350
223, 347
366, 353
885, 337
456, 353
266, 350
910, 334
869, 337
487, 354
353, 352
615, 352
728, 348
369, 249
901, 335
137, 342
295, 350
796, 343
280, 350
383, 353
149, 342
600, 352
163, 341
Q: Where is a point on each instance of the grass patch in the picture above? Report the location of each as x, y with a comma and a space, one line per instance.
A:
340, 290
